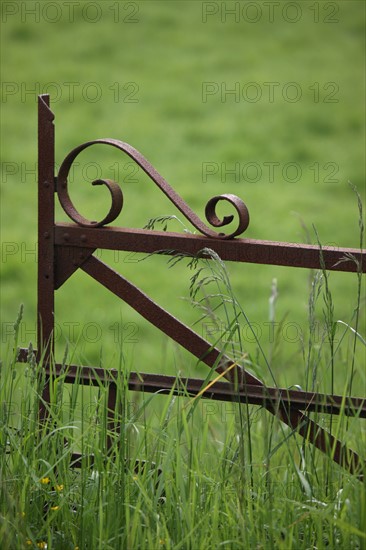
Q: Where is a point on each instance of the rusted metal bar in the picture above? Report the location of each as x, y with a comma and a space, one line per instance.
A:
324, 441
238, 250
219, 391
46, 247
46, 221
281, 402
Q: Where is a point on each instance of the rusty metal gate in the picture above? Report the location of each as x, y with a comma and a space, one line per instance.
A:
64, 248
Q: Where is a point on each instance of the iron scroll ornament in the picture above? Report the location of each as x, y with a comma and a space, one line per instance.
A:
117, 196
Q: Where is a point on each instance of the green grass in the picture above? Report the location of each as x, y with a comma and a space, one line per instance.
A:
230, 475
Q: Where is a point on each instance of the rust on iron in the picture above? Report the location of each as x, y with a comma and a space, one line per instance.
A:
219, 391
238, 250
64, 248
68, 260
289, 405
46, 225
154, 175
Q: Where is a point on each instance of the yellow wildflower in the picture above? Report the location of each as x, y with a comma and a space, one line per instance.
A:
42, 545
54, 508
59, 488
45, 480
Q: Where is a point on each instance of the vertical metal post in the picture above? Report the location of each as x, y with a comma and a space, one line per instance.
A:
46, 221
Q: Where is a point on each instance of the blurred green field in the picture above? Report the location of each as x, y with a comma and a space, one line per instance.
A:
280, 103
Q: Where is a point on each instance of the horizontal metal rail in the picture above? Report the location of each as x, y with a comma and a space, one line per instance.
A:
238, 250
219, 391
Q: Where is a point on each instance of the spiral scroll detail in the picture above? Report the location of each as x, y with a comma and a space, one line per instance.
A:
117, 197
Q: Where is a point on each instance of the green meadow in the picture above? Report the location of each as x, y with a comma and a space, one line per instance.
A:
261, 100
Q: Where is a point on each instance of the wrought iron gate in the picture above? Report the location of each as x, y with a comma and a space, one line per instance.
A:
64, 248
